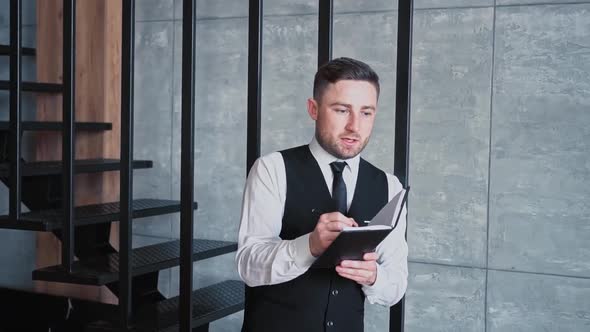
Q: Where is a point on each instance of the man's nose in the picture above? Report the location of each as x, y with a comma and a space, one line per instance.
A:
353, 123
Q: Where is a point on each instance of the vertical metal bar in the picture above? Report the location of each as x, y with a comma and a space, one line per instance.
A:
126, 184
15, 114
325, 25
187, 164
402, 121
254, 81
68, 134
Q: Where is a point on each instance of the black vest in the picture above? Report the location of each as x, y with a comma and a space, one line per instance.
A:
319, 300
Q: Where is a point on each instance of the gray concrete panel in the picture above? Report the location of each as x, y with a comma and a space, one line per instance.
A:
450, 136
444, 299
5, 15
536, 2
229, 323
17, 257
219, 197
29, 13
154, 226
154, 10
389, 5
220, 142
522, 302
221, 74
153, 119
289, 62
29, 16
540, 171
215, 9
422, 4
376, 318
154, 43
208, 272
372, 38
219, 181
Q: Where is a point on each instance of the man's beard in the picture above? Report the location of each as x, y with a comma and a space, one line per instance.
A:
333, 148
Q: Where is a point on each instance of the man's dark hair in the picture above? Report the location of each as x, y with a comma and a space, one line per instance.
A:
342, 69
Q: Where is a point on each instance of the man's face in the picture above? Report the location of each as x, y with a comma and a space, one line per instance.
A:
344, 117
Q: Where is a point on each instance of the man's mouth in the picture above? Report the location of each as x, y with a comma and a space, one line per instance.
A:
349, 140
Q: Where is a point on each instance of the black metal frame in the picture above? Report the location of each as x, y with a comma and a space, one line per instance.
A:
325, 28
187, 163
254, 81
402, 121
126, 183
403, 90
68, 144
15, 109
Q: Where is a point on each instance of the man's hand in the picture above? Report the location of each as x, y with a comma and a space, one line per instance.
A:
363, 272
327, 229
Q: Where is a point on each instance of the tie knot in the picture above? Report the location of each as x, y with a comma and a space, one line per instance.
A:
338, 166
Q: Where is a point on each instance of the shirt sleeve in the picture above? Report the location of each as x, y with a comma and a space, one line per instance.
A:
392, 262
262, 257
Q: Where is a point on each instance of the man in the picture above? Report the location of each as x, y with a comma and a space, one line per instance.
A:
298, 200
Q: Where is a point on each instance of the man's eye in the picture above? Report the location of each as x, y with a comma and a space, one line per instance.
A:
367, 113
341, 110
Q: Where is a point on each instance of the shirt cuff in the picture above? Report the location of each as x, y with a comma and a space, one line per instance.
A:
301, 253
380, 282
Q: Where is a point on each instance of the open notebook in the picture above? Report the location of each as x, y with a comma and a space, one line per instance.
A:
354, 242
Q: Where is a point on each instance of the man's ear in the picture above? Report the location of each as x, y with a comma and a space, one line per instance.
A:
312, 108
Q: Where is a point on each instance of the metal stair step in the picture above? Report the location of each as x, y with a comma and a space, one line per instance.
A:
105, 269
49, 220
55, 126
5, 50
37, 168
209, 304
34, 86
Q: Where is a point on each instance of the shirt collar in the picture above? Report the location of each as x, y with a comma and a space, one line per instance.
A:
324, 158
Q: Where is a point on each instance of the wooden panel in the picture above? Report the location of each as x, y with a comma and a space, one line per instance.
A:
98, 50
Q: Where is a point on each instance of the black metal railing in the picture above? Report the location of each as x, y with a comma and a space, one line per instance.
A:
187, 163
68, 134
325, 28
254, 82
126, 183
402, 122
15, 109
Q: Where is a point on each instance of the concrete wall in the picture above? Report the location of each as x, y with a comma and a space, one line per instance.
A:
498, 227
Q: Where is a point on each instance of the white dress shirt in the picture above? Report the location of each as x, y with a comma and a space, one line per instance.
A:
263, 258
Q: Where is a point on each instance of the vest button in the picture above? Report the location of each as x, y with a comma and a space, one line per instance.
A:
330, 323
335, 292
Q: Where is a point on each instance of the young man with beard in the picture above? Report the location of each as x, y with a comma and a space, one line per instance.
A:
297, 201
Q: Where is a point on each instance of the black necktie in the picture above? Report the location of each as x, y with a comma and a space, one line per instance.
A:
338, 186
